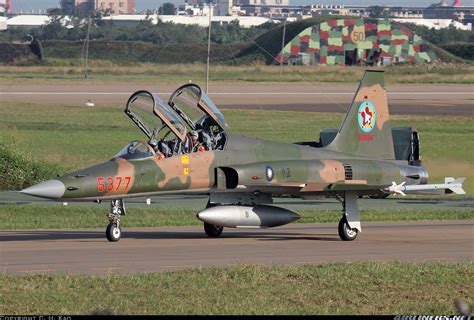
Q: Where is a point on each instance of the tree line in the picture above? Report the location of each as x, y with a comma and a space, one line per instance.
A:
162, 33
168, 33
443, 36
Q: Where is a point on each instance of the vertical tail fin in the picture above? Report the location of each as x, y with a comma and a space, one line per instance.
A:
366, 129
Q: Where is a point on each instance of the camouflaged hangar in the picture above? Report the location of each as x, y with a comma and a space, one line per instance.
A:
356, 41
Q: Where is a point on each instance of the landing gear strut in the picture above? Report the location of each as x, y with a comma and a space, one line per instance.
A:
349, 225
117, 209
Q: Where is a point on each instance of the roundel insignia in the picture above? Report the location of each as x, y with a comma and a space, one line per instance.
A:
269, 173
366, 116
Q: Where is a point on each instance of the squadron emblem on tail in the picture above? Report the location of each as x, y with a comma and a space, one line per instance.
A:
367, 116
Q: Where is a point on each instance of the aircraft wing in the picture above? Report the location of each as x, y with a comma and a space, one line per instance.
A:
354, 185
310, 187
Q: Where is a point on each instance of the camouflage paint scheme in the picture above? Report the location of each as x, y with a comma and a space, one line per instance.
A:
360, 158
325, 43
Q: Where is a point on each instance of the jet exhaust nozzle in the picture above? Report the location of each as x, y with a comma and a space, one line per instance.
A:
260, 216
51, 189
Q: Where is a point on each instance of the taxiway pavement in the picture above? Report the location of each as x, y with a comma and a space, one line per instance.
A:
171, 248
429, 99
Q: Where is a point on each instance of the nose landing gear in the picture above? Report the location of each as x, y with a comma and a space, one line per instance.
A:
117, 209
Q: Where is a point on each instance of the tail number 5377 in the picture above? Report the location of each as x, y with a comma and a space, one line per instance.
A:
113, 183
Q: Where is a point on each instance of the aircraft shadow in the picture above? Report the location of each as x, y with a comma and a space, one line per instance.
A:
304, 203
82, 236
420, 202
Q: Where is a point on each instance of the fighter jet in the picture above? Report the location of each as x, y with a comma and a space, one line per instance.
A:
189, 150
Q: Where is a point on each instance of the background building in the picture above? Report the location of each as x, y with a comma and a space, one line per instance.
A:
83, 6
356, 41
116, 6
444, 11
69, 7
5, 7
201, 20
3, 14
223, 8
264, 2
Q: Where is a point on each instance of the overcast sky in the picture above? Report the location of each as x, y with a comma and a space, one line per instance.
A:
28, 5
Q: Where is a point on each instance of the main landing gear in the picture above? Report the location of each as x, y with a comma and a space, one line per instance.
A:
349, 225
212, 230
346, 233
117, 209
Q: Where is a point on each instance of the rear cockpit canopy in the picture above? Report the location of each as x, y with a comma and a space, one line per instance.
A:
196, 108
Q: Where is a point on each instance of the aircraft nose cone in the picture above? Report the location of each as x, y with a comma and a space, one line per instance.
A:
52, 189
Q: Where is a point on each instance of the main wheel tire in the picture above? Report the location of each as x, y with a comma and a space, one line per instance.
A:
113, 232
212, 230
345, 232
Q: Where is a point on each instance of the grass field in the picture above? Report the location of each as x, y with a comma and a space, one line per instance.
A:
341, 288
73, 137
71, 71
35, 217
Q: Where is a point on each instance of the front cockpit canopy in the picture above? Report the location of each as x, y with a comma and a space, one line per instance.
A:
152, 116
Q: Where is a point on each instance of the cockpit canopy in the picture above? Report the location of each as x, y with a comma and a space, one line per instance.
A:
196, 108
152, 115
189, 120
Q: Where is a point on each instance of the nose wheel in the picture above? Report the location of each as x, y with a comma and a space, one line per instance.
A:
113, 231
